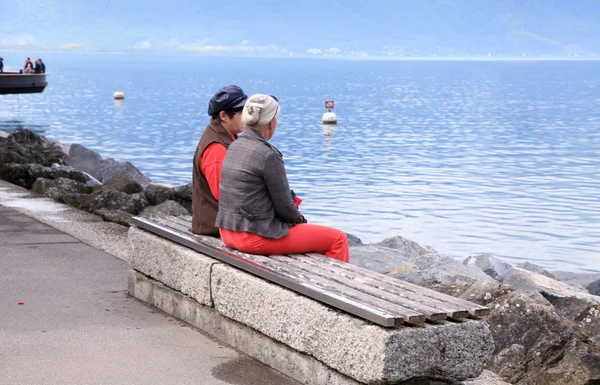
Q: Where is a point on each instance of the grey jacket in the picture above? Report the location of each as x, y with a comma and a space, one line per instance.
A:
255, 194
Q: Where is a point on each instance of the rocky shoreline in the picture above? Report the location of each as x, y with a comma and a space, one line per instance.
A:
545, 324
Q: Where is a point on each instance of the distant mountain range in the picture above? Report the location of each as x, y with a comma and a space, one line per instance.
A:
376, 28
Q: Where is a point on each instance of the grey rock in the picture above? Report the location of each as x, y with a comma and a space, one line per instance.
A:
576, 279
353, 240
84, 159
90, 181
594, 287
408, 248
157, 194
25, 146
183, 196
356, 348
536, 269
110, 167
122, 182
535, 345
480, 292
59, 187
38, 149
174, 265
115, 216
444, 271
435, 271
492, 266
25, 174
4, 134
9, 155
167, 208
27, 137
520, 279
380, 259
111, 200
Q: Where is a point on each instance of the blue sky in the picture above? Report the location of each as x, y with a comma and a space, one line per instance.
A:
389, 28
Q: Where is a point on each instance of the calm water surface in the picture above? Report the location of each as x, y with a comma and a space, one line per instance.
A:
468, 157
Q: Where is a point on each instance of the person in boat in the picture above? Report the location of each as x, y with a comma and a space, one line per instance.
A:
1, 65
28, 67
225, 110
42, 66
257, 213
37, 68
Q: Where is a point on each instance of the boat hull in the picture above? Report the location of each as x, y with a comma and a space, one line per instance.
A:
16, 83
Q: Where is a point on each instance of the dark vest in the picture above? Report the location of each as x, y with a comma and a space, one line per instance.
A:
204, 205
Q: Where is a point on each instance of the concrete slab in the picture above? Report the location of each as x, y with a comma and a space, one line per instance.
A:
77, 325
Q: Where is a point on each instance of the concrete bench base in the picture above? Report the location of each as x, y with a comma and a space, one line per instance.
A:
296, 335
290, 362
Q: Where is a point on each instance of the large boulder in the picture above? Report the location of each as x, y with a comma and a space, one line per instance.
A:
25, 146
594, 287
90, 181
480, 292
25, 174
520, 279
59, 187
110, 167
536, 269
407, 260
167, 208
492, 266
380, 259
183, 196
111, 200
157, 193
122, 182
406, 247
84, 159
535, 345
353, 240
576, 279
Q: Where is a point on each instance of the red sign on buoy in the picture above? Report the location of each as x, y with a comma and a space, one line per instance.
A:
329, 104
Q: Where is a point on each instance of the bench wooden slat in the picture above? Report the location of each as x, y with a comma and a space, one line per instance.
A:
391, 293
431, 304
281, 264
474, 309
431, 313
225, 255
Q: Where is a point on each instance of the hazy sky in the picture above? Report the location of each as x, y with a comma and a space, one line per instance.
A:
307, 27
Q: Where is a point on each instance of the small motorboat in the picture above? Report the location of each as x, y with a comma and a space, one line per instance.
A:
16, 83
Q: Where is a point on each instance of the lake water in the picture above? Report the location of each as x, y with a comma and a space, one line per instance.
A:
468, 157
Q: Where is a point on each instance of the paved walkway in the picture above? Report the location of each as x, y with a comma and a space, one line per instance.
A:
77, 325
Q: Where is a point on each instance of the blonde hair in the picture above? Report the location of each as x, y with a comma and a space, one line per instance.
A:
259, 110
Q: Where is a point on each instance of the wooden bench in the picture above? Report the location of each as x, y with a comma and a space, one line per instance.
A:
375, 297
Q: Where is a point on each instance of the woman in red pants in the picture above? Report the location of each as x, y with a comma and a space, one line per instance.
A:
257, 213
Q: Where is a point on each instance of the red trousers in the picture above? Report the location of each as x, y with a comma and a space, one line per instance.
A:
303, 238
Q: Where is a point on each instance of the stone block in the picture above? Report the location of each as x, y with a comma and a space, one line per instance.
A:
452, 351
174, 265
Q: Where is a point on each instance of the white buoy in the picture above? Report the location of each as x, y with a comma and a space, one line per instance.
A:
119, 95
329, 118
